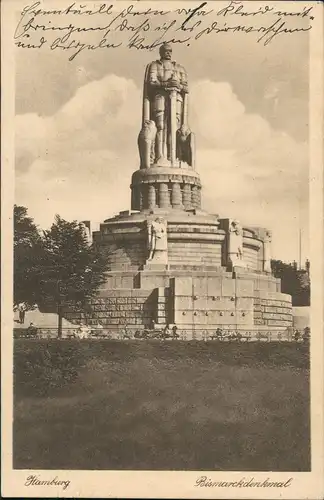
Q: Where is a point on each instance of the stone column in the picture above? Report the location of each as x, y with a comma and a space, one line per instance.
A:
185, 110
141, 197
267, 252
133, 202
163, 195
145, 191
186, 196
198, 197
151, 196
194, 196
176, 201
173, 121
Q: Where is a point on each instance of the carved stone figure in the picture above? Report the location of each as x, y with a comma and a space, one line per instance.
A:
157, 241
85, 226
165, 102
146, 143
267, 252
185, 151
235, 243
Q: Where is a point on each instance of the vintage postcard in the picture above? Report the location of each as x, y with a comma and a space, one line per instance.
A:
162, 272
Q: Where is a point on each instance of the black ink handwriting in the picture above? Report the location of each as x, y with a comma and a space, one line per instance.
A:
137, 43
192, 14
236, 7
269, 33
145, 28
79, 47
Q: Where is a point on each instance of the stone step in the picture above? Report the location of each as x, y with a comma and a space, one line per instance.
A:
195, 257
183, 262
193, 251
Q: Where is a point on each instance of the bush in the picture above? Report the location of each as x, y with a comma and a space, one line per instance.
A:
43, 366
40, 369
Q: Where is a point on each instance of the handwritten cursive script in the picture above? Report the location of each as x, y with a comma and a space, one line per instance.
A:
76, 28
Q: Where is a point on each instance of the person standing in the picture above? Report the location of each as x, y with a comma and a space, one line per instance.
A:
175, 334
297, 336
98, 329
32, 331
83, 331
166, 332
22, 312
306, 335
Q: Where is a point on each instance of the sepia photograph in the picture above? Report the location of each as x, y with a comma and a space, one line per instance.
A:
163, 269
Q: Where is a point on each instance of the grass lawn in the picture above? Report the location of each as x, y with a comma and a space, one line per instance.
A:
163, 406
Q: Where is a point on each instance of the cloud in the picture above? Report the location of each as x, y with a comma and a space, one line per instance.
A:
79, 161
249, 170
100, 115
239, 154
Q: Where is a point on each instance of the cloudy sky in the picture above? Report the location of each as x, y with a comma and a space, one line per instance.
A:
77, 124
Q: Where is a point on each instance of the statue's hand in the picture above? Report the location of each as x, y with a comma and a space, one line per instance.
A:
175, 83
172, 83
155, 82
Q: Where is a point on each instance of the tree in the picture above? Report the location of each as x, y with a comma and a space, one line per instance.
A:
293, 282
303, 292
72, 270
27, 247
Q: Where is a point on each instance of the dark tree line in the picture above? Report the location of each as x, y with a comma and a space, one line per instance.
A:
295, 282
55, 268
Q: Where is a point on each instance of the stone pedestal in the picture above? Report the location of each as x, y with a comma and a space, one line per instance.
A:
165, 187
200, 293
198, 304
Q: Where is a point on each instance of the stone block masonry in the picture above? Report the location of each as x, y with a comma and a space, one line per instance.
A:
204, 300
132, 307
273, 309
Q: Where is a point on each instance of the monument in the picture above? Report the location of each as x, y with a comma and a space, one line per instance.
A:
172, 263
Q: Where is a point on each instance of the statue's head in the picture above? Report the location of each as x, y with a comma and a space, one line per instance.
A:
159, 220
268, 235
166, 51
185, 130
236, 226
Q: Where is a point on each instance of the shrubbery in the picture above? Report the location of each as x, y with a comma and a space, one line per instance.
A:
44, 367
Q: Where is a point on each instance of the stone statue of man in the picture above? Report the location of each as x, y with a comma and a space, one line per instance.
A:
158, 241
164, 100
85, 227
235, 243
267, 252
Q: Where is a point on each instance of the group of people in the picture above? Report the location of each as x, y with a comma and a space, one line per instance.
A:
302, 337
156, 332
84, 331
170, 332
